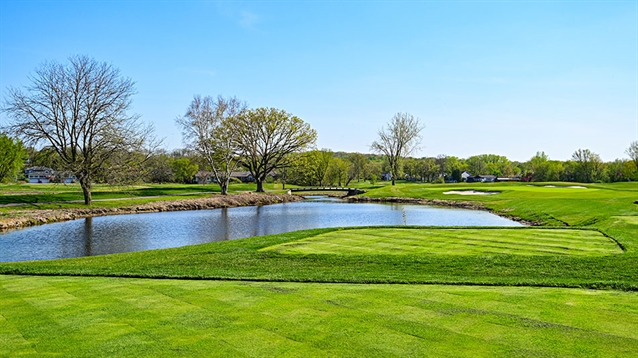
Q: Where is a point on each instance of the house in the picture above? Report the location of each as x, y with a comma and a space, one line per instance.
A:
245, 177
481, 179
204, 177
386, 176
65, 177
465, 175
39, 174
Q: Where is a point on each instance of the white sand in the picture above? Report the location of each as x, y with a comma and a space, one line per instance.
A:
472, 192
563, 187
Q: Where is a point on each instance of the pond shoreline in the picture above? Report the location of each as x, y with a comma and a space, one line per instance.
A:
27, 218
439, 202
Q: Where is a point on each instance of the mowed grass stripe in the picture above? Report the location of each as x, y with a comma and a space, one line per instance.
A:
149, 318
451, 237
454, 242
583, 238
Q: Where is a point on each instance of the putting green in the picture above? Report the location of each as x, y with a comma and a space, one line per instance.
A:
474, 241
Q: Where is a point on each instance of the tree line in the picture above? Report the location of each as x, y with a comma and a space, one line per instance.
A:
75, 119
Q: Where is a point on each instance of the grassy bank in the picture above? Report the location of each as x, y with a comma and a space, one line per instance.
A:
16, 197
258, 259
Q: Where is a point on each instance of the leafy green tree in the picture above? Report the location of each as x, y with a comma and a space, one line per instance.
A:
588, 167
373, 171
12, 158
490, 164
266, 137
430, 169
158, 168
338, 172
630, 171
184, 170
321, 160
359, 165
411, 169
615, 170
45, 157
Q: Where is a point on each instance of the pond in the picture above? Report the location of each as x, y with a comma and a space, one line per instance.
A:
125, 233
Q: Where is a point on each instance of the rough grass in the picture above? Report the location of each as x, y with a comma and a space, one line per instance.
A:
106, 317
374, 241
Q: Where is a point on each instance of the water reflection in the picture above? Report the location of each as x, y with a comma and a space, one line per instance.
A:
125, 233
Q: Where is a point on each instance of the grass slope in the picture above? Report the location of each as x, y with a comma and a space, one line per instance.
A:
104, 317
243, 260
375, 241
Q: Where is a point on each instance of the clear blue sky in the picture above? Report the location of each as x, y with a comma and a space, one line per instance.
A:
501, 77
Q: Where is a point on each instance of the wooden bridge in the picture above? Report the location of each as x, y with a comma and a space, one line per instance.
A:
350, 191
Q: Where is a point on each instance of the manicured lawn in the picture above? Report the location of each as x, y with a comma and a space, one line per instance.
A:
385, 241
323, 292
108, 317
16, 197
244, 260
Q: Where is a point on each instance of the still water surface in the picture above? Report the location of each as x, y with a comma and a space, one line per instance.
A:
136, 232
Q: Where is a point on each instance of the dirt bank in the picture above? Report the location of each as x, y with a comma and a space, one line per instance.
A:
438, 202
23, 218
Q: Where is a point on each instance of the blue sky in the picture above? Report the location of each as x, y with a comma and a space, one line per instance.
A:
501, 77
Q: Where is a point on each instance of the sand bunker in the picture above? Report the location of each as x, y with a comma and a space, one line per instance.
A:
569, 187
472, 192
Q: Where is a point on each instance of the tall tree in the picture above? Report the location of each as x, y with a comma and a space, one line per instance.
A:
207, 127
359, 165
12, 157
322, 160
588, 166
184, 170
79, 110
339, 172
266, 138
632, 151
398, 139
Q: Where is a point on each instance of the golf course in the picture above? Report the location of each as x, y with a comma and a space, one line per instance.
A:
566, 285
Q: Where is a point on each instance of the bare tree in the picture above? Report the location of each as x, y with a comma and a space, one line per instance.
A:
267, 137
632, 152
79, 110
207, 129
398, 140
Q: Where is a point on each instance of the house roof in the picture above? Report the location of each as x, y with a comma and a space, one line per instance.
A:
38, 168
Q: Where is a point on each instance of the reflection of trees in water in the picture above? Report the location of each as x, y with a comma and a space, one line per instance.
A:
223, 220
87, 236
126, 233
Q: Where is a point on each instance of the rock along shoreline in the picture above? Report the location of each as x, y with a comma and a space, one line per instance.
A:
23, 218
438, 202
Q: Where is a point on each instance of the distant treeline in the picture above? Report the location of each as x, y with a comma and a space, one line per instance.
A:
325, 167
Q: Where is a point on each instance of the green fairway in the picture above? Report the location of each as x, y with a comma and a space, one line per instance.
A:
453, 242
323, 292
150, 318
